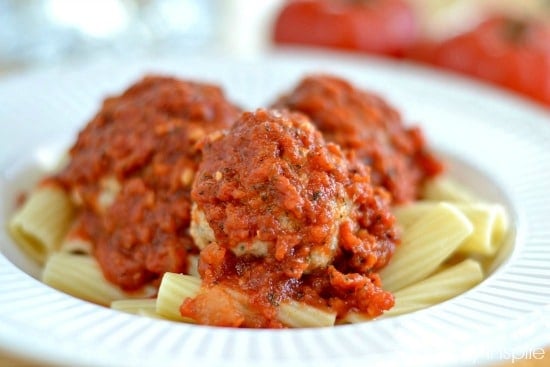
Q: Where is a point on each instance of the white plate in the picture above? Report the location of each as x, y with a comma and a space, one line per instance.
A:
497, 144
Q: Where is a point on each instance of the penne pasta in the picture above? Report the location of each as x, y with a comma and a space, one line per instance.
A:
80, 276
40, 225
425, 245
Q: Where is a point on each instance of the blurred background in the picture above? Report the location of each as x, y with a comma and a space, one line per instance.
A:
35, 33
513, 51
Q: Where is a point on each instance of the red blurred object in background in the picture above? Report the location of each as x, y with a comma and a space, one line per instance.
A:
513, 53
385, 27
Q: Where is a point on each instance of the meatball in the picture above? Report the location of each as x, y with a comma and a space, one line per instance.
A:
271, 187
131, 171
367, 126
280, 214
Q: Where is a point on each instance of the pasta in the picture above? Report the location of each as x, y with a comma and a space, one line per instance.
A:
74, 243
40, 226
489, 220
261, 224
439, 287
423, 279
177, 287
136, 306
425, 245
433, 231
80, 276
444, 189
173, 290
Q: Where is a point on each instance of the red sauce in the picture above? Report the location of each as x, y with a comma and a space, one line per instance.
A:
324, 229
368, 126
276, 212
143, 143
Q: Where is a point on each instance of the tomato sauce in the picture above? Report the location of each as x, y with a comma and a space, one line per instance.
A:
131, 171
281, 204
368, 126
292, 218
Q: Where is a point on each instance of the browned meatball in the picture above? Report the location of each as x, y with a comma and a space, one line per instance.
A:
368, 126
281, 213
271, 187
131, 171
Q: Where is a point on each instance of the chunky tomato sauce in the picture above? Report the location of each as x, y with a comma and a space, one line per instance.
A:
291, 219
369, 127
131, 171
170, 168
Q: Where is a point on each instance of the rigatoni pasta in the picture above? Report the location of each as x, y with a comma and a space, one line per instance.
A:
490, 222
41, 224
81, 276
444, 189
173, 289
425, 245
490, 227
136, 306
439, 287
177, 287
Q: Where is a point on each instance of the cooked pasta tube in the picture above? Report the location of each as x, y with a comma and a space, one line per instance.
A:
445, 189
489, 221
490, 227
425, 245
75, 245
175, 288
74, 242
357, 317
42, 222
438, 287
80, 276
409, 213
135, 306
149, 313
297, 314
